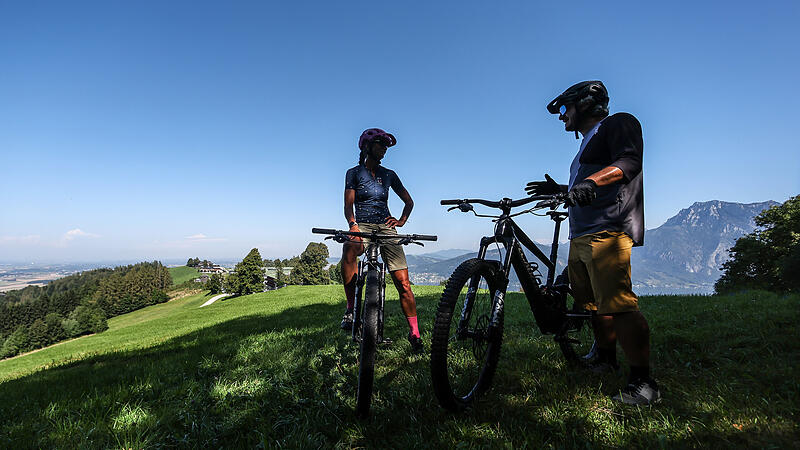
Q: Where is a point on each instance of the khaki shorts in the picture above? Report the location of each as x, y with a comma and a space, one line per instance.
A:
393, 255
600, 272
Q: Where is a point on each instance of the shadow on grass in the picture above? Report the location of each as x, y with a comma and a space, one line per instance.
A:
289, 379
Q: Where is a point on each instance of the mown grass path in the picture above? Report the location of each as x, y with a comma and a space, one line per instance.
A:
273, 369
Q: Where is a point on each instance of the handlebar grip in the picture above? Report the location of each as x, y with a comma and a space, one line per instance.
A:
323, 231
450, 202
425, 237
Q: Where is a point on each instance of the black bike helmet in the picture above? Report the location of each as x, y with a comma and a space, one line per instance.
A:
589, 96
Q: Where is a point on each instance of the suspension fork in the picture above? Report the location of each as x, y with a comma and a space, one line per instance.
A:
472, 290
358, 304
498, 302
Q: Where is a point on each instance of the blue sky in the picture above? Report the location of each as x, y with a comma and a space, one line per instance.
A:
157, 130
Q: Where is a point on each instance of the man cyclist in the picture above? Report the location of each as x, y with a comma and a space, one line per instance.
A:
606, 219
366, 187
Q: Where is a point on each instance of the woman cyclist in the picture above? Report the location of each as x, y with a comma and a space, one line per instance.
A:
367, 187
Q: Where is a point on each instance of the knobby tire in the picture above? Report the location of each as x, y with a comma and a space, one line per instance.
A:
369, 343
459, 377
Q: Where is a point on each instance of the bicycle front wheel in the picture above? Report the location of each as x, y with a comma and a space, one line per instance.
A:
369, 343
464, 348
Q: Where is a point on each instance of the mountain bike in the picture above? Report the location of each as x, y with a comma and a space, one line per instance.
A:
368, 314
468, 330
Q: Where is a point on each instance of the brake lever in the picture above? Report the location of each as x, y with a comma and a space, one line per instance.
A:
450, 209
552, 204
338, 238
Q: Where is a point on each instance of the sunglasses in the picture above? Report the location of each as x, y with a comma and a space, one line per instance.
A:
562, 109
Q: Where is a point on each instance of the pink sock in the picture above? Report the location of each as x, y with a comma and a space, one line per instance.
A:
412, 323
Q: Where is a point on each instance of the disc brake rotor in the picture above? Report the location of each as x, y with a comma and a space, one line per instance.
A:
480, 341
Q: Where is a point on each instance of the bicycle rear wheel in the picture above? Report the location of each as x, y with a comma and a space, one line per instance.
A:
576, 335
464, 349
369, 343
576, 338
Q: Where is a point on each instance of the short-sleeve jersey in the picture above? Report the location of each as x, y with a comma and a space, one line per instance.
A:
620, 206
372, 193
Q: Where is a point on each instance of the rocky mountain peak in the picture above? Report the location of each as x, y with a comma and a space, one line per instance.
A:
717, 215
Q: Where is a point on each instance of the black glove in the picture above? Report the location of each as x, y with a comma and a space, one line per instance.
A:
548, 187
582, 193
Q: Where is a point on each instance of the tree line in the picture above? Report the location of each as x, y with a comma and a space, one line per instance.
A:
768, 258
249, 275
79, 304
195, 262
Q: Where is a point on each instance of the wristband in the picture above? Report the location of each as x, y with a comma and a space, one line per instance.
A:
352, 223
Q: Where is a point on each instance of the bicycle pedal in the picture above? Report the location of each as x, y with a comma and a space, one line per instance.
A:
385, 342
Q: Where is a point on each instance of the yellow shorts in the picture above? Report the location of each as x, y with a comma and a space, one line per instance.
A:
600, 272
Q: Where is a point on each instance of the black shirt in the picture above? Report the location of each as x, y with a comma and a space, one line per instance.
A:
620, 206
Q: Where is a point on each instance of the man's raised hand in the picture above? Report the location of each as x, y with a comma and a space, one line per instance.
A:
547, 187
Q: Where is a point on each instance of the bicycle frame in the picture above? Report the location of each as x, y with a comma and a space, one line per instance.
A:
510, 235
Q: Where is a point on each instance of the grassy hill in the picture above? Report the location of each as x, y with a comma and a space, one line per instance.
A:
273, 369
182, 274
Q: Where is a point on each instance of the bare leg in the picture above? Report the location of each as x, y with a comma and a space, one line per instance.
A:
403, 285
350, 253
604, 332
634, 337
409, 305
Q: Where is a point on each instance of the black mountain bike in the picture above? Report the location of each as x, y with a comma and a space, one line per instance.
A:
468, 330
368, 314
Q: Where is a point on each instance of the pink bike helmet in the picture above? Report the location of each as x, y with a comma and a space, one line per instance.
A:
375, 134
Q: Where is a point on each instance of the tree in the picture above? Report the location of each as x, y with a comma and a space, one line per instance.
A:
37, 334
17, 343
280, 278
335, 273
231, 282
214, 283
310, 268
249, 276
89, 319
55, 330
768, 258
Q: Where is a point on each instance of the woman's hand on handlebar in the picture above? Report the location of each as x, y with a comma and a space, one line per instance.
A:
394, 223
354, 229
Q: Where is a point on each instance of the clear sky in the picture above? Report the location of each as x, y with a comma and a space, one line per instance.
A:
155, 130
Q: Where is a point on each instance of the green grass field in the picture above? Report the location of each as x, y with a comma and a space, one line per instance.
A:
274, 370
182, 274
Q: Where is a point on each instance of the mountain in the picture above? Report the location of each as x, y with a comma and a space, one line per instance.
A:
682, 256
434, 272
444, 254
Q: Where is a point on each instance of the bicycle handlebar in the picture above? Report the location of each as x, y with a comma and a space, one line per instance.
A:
413, 237
507, 202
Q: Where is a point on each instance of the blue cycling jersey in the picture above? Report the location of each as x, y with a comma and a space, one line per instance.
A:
372, 193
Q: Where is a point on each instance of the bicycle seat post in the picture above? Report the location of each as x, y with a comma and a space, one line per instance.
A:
557, 217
